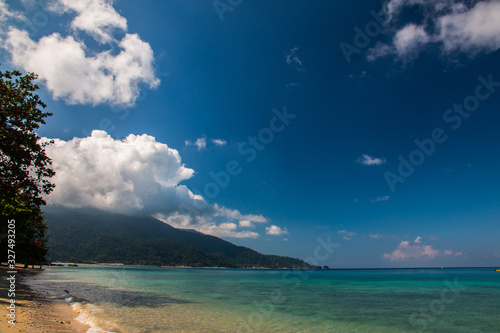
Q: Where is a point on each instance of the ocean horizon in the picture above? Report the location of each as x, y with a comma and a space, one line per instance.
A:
160, 299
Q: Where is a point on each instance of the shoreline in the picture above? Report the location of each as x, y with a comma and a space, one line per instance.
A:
35, 311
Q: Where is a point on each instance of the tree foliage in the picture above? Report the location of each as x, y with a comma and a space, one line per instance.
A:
25, 169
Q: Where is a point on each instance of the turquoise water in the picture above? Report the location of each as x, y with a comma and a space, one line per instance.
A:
145, 299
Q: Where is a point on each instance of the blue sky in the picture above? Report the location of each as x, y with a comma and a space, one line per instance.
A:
280, 125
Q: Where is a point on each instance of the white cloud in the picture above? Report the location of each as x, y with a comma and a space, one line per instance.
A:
347, 234
120, 176
293, 59
451, 253
246, 224
200, 143
385, 198
228, 230
77, 74
219, 142
471, 31
205, 221
137, 176
368, 160
276, 231
409, 40
454, 26
98, 18
219, 231
405, 251
236, 215
394, 7
6, 13
380, 50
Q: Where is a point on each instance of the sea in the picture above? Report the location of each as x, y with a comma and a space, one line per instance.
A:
156, 299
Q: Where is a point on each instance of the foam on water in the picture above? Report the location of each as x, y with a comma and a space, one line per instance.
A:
89, 314
92, 315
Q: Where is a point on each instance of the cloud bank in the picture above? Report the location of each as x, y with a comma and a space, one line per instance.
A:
68, 66
139, 176
406, 251
455, 27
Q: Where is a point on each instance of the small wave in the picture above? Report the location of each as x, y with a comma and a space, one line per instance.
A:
91, 314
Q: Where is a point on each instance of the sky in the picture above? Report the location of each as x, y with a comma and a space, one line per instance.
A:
346, 133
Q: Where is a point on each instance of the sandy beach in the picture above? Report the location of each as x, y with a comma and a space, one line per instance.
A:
35, 312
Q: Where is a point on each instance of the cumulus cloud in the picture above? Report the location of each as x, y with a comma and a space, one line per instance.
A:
417, 250
471, 30
137, 176
369, 160
347, 234
274, 230
406, 251
119, 176
75, 73
454, 26
98, 18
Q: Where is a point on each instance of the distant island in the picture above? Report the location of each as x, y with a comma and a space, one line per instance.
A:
91, 236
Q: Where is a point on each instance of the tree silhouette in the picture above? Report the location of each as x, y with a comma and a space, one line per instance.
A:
25, 169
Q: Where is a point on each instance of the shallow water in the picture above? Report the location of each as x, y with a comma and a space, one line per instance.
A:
150, 299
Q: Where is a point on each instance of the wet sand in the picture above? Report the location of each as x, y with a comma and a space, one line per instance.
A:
35, 312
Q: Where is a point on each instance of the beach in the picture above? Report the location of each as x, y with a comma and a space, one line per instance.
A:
34, 311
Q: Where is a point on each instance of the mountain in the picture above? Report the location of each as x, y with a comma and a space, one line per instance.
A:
79, 235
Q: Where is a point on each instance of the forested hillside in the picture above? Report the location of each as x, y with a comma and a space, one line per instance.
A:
86, 235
